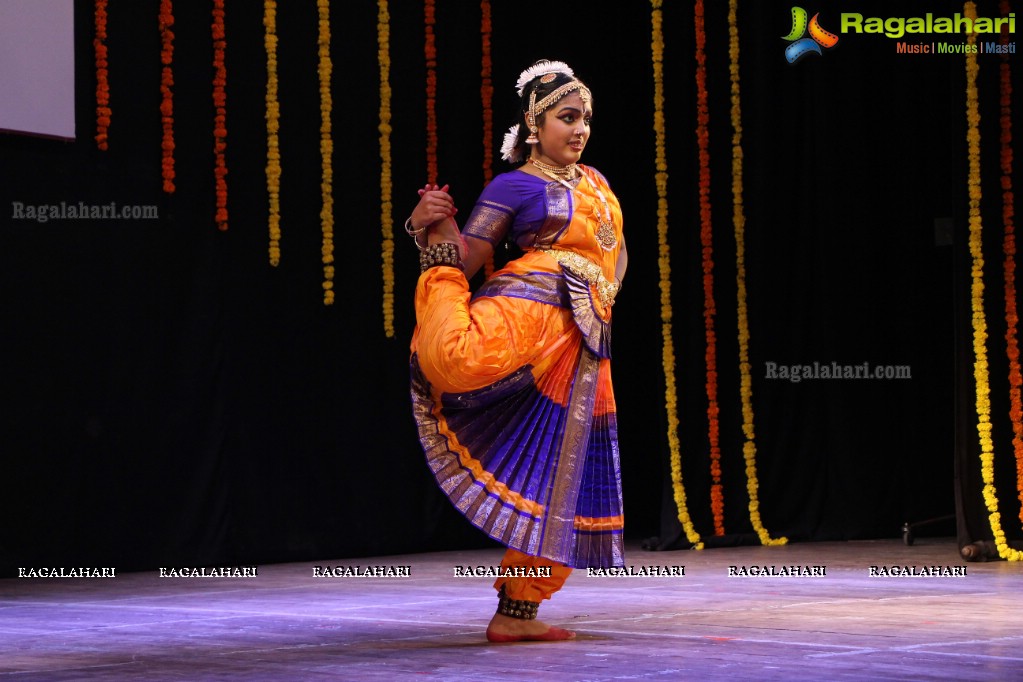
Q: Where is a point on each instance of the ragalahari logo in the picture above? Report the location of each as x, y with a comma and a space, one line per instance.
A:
800, 45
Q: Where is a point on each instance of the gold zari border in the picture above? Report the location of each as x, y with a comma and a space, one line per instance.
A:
587, 270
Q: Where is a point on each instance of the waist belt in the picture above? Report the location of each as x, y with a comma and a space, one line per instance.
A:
588, 271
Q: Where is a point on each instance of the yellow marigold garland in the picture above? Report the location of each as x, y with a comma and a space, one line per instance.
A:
167, 94
326, 153
99, 45
1009, 248
220, 116
980, 365
386, 222
717, 501
664, 264
749, 448
273, 118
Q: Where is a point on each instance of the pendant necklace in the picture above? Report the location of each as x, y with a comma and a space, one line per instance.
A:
605, 233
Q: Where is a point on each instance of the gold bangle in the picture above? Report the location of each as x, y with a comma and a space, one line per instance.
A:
410, 229
419, 246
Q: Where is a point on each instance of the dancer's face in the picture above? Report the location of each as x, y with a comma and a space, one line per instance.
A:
565, 130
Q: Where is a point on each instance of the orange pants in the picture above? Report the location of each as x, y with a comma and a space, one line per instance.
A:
531, 589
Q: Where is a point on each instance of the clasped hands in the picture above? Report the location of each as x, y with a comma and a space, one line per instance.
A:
435, 214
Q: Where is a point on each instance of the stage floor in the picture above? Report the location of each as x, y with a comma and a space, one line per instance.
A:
839, 623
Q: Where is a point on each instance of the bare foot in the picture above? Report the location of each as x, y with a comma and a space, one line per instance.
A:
508, 629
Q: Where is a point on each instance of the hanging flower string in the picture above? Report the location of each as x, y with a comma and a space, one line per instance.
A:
749, 448
717, 501
487, 92
1009, 249
220, 116
273, 117
326, 154
102, 83
430, 52
980, 365
664, 264
487, 99
386, 221
167, 94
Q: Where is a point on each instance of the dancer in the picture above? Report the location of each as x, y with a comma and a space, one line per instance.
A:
511, 386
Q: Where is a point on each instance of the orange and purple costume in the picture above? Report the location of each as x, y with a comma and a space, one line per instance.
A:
511, 386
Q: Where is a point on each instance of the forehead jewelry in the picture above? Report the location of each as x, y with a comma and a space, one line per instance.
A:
549, 101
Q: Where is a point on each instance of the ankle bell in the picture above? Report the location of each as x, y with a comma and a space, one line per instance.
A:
516, 608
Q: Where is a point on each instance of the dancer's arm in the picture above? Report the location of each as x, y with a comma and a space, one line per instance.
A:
436, 210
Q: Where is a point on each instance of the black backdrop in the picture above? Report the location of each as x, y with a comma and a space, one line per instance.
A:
173, 399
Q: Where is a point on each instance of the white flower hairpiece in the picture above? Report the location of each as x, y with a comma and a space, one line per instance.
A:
541, 68
508, 151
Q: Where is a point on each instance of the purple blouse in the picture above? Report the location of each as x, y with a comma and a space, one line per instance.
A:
523, 208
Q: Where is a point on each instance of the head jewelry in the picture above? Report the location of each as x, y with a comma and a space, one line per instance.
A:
546, 71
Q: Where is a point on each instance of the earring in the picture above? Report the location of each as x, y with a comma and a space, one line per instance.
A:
531, 119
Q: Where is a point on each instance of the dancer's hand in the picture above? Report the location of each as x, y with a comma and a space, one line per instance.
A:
435, 204
446, 230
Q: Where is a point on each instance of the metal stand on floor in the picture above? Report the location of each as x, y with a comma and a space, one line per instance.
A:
907, 528
944, 235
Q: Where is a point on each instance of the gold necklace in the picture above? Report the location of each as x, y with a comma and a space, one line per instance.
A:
567, 172
605, 232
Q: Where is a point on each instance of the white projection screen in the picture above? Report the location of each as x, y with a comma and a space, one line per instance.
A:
37, 67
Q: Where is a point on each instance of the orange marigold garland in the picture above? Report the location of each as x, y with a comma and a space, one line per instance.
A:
103, 111
273, 117
326, 153
386, 221
717, 501
1009, 249
167, 93
220, 116
749, 448
1008, 217
664, 265
430, 51
980, 364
